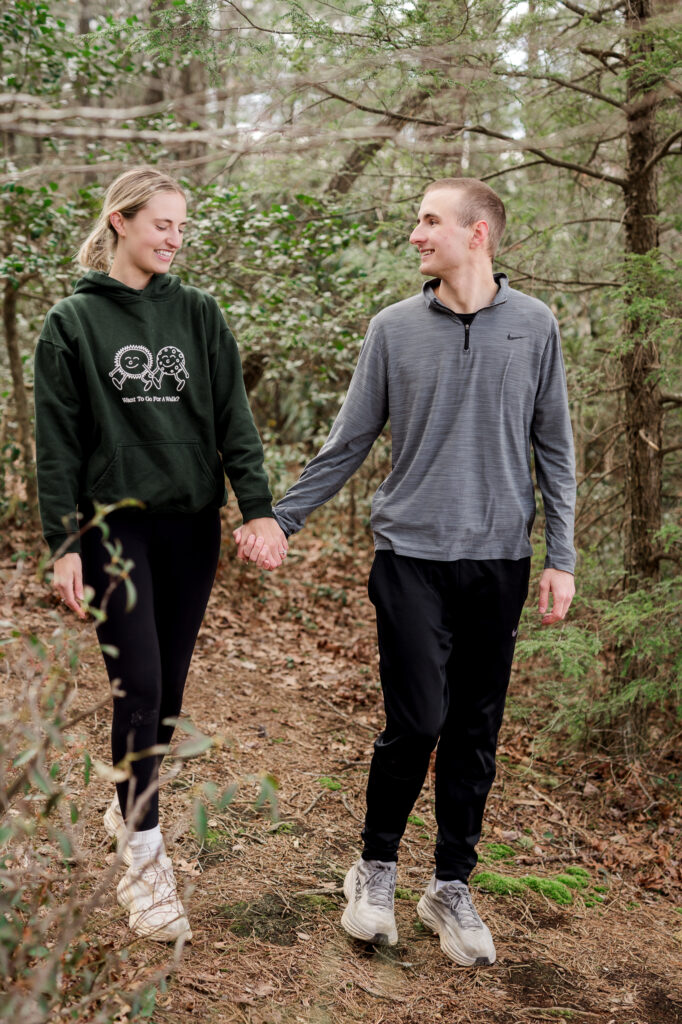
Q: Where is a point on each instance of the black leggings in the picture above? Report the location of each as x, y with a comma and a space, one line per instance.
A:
447, 632
175, 559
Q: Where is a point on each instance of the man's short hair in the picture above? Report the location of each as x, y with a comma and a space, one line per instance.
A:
478, 202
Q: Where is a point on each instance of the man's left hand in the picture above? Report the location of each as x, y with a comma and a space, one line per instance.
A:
561, 586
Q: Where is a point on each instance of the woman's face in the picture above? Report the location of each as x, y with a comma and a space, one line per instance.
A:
148, 241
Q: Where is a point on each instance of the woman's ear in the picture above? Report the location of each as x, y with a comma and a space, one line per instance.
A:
117, 222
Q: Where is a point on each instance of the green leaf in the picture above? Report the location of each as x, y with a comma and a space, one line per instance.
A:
193, 747
200, 821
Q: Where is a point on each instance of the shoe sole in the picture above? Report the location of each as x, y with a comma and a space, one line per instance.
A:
157, 934
110, 826
447, 943
350, 924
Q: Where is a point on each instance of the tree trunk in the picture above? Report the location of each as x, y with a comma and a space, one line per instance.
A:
355, 163
643, 409
9, 315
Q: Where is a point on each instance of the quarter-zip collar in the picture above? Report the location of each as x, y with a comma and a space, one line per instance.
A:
433, 302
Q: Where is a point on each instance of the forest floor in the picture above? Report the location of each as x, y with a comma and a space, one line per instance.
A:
285, 680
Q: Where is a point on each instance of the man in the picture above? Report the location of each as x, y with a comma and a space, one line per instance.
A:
470, 374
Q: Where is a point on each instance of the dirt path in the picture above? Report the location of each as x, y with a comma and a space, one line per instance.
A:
284, 679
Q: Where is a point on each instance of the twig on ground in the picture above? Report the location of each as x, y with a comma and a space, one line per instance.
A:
310, 806
347, 718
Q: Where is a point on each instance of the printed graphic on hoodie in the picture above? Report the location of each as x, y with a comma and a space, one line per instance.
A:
134, 362
171, 361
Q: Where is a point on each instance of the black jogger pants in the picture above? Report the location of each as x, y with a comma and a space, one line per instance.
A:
446, 632
175, 559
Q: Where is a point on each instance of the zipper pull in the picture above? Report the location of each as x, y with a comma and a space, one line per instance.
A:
466, 337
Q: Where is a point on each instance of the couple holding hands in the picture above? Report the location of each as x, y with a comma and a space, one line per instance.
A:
469, 371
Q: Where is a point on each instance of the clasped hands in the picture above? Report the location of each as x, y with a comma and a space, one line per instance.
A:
261, 541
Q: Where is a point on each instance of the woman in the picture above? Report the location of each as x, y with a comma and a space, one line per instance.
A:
139, 394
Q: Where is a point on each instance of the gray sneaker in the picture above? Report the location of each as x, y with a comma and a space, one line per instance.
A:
450, 912
369, 887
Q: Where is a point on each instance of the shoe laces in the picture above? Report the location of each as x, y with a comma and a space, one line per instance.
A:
458, 898
161, 880
380, 882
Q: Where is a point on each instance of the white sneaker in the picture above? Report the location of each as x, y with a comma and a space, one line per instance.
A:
449, 911
151, 896
116, 828
369, 887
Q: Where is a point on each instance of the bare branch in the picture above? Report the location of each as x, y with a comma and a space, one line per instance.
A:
660, 152
601, 56
597, 16
668, 398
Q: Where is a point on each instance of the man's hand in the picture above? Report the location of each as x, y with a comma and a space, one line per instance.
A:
68, 582
561, 586
261, 541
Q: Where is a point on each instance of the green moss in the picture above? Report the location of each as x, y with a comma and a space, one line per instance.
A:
322, 903
549, 887
498, 885
574, 881
328, 783
406, 894
499, 851
414, 819
578, 872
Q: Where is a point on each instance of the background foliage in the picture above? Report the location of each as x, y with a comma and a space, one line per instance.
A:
305, 134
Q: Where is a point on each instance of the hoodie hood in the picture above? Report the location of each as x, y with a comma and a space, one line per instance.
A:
161, 287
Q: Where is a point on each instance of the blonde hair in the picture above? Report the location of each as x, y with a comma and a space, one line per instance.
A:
479, 202
129, 194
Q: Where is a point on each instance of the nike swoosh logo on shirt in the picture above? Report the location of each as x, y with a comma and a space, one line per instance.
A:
515, 337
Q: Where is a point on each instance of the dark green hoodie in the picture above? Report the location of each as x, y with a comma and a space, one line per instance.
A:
140, 394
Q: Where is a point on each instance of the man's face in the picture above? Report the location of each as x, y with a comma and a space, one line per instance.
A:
444, 245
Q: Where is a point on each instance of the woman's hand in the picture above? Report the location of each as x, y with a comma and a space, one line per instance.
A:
261, 541
68, 582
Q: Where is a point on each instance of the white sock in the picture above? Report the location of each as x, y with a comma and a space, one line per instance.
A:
145, 846
440, 883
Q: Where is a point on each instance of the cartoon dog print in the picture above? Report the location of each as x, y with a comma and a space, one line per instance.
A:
170, 362
133, 362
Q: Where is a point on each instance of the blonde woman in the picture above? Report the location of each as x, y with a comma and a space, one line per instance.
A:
139, 394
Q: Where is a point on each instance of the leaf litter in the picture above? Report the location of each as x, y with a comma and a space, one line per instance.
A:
285, 672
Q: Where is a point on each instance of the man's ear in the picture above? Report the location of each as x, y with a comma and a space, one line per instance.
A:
117, 221
479, 238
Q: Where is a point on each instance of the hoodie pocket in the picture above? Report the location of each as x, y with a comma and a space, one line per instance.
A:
164, 475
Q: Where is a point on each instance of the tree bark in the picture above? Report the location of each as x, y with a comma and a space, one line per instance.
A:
643, 408
9, 315
354, 165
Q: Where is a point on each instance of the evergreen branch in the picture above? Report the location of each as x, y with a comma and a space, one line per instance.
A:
281, 32
564, 84
477, 130
393, 115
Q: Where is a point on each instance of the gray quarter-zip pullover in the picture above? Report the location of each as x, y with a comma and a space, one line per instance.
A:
465, 404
